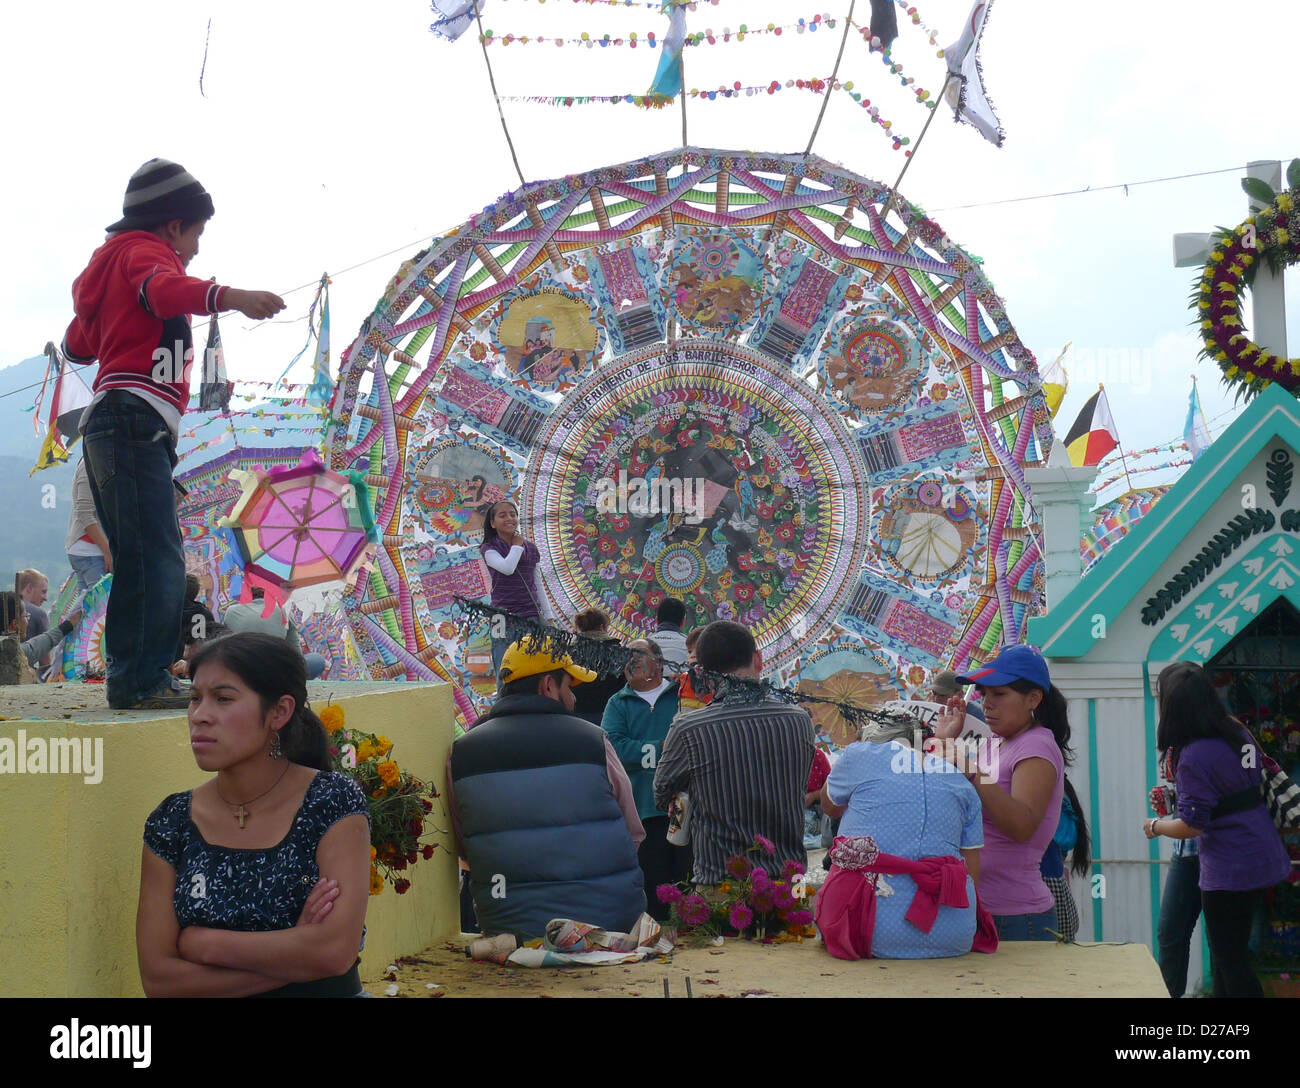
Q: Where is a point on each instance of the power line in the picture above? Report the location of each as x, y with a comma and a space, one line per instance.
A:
1125, 185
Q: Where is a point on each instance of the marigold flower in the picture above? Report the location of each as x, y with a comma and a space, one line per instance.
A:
331, 718
376, 881
427, 851
366, 751
401, 887
384, 745
389, 773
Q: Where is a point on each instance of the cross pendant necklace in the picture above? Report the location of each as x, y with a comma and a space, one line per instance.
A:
239, 809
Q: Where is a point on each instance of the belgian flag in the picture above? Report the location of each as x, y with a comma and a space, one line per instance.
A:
1093, 434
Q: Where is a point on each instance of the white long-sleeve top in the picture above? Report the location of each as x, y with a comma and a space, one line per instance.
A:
507, 563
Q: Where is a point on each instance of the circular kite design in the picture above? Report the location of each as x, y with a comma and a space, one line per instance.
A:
845, 673
877, 359
717, 282
703, 472
711, 374
85, 652
926, 535
453, 482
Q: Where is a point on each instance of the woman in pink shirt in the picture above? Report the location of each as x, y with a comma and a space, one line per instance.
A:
1022, 807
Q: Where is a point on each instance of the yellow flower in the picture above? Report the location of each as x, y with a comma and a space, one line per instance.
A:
376, 881
373, 853
1284, 202
332, 718
388, 773
1283, 236
725, 887
385, 745
365, 751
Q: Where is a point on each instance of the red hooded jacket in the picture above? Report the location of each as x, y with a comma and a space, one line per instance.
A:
133, 303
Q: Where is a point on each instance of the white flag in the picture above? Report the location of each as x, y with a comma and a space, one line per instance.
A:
454, 17
966, 88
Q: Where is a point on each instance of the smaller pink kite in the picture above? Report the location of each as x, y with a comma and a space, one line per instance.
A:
299, 525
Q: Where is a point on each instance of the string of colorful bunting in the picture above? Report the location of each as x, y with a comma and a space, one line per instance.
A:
1177, 446
915, 16
218, 439
1097, 488
895, 68
452, 24
736, 90
648, 38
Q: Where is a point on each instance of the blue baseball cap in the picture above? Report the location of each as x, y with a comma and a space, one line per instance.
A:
1012, 664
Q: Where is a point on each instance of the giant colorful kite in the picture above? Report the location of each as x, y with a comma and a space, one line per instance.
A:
816, 396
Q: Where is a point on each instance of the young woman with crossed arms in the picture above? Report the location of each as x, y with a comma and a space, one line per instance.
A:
256, 883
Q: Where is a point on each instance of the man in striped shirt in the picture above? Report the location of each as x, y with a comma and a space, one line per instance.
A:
743, 760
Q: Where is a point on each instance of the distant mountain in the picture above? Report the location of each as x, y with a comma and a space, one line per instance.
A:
35, 521
34, 510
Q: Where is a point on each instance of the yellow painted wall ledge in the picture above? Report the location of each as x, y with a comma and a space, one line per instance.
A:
73, 820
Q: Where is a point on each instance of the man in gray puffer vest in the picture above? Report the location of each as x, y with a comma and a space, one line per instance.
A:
542, 807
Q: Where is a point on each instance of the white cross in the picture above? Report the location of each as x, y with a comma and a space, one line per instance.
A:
1267, 300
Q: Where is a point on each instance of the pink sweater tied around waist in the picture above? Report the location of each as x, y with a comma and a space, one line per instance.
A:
846, 904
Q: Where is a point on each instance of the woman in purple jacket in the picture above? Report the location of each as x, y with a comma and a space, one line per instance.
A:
512, 564
1217, 773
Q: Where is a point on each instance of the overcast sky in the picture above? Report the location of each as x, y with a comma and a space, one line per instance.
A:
330, 133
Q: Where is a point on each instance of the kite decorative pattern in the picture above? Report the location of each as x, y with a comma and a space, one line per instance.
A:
743, 379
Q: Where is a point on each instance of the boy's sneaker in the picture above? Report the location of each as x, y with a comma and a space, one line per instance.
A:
173, 696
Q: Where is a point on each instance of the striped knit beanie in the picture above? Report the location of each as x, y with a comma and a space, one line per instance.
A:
159, 192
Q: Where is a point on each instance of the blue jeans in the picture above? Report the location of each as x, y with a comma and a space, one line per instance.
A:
89, 569
1180, 907
1027, 927
130, 455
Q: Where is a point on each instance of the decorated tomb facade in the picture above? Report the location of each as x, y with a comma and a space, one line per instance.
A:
1211, 574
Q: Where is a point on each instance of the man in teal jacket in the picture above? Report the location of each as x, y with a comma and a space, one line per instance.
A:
637, 719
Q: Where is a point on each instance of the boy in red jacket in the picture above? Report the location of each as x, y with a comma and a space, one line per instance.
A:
132, 307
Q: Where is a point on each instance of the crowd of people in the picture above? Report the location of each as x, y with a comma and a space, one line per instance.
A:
577, 795
747, 764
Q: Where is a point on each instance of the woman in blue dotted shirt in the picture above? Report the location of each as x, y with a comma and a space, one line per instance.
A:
256, 883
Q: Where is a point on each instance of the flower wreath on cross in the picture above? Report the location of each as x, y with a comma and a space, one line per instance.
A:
1272, 234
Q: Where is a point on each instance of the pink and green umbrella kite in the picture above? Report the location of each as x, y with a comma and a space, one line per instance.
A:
299, 525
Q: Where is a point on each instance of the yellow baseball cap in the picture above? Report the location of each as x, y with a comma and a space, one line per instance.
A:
519, 663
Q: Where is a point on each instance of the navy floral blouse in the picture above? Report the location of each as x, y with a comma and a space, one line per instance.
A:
249, 891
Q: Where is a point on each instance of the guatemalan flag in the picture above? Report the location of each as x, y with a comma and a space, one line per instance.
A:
1195, 432
668, 77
